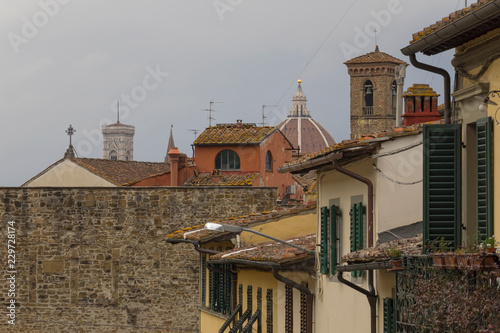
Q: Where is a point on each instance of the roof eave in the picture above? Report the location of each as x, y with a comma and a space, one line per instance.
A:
429, 44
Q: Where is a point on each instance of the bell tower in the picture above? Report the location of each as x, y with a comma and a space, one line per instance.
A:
118, 140
374, 91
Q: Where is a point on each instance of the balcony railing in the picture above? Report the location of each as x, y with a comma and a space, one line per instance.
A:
367, 110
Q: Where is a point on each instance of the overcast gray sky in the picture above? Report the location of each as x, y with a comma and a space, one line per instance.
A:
67, 62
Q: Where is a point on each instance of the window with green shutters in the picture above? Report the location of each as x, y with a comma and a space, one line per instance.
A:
388, 315
484, 130
442, 183
328, 242
356, 215
323, 254
333, 238
220, 289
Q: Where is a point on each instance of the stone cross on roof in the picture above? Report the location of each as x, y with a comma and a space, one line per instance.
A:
70, 131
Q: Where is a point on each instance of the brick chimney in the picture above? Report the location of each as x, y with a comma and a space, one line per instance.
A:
239, 123
174, 155
421, 105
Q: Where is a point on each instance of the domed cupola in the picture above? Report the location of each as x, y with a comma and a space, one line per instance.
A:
305, 133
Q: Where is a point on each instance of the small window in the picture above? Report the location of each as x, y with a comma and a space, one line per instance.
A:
227, 160
269, 161
394, 94
113, 155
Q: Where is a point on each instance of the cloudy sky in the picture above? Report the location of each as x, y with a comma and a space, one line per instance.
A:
67, 62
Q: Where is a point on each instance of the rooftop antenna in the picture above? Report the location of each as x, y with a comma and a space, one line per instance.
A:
210, 110
195, 131
263, 115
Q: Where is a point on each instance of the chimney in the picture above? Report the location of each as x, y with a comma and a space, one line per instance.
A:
174, 155
421, 105
239, 123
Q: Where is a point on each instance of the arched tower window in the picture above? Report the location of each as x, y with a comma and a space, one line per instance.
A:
394, 95
368, 98
227, 160
269, 161
113, 155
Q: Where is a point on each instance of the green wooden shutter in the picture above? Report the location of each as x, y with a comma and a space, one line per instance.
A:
388, 315
442, 183
324, 241
484, 182
333, 238
356, 215
203, 278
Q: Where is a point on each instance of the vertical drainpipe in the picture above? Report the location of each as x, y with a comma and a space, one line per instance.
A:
372, 297
447, 84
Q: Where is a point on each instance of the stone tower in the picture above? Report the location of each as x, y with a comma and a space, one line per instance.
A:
304, 133
374, 92
118, 142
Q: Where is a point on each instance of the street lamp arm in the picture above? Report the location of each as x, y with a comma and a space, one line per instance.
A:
234, 228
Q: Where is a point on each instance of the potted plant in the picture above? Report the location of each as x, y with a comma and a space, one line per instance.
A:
462, 258
437, 248
490, 244
397, 261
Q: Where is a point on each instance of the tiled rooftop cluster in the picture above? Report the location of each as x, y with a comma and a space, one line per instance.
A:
198, 233
407, 246
234, 133
272, 251
363, 141
448, 20
206, 179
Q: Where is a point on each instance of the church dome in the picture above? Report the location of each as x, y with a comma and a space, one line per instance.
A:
301, 129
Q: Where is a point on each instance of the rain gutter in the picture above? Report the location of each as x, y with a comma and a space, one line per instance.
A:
310, 163
194, 243
291, 283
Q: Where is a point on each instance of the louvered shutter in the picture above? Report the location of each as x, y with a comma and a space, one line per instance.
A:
333, 238
442, 182
388, 315
324, 241
356, 215
484, 185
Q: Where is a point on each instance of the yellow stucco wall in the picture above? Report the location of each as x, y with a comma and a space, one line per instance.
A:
210, 322
284, 228
69, 174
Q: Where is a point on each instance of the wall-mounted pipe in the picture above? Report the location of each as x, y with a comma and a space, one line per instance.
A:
369, 183
291, 283
370, 295
194, 243
447, 84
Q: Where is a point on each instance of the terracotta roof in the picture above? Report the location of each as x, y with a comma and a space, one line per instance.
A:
309, 136
456, 29
206, 179
121, 172
198, 233
272, 251
366, 141
305, 180
407, 246
234, 134
375, 56
448, 20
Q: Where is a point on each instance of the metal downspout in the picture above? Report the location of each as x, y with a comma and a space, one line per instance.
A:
369, 183
447, 84
291, 283
370, 295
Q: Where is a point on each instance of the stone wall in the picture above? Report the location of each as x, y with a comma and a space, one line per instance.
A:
95, 259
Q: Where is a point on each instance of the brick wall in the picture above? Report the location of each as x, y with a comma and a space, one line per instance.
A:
95, 259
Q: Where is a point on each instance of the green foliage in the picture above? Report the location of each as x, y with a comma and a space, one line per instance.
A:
490, 242
393, 252
439, 245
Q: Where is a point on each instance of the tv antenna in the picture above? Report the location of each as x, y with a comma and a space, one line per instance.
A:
263, 114
195, 131
210, 110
